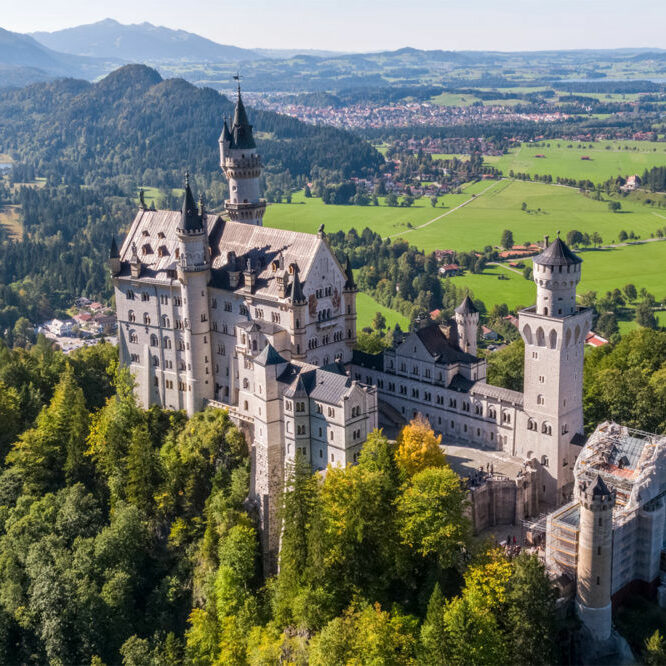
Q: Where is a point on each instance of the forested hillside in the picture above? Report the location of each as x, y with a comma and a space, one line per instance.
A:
132, 123
125, 537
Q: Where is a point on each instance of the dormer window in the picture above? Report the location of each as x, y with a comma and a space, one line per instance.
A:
147, 249
160, 234
162, 251
145, 233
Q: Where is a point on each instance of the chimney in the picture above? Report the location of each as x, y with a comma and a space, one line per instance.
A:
546, 242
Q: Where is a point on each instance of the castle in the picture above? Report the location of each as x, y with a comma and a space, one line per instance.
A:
218, 310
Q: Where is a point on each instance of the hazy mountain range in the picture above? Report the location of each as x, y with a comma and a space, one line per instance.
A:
90, 51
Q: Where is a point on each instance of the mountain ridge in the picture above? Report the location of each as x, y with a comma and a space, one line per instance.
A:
139, 42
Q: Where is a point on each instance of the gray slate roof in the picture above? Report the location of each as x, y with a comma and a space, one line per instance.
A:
269, 356
440, 348
262, 245
466, 307
319, 384
496, 392
557, 254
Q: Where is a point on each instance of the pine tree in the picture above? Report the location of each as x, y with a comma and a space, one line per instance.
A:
433, 634
142, 476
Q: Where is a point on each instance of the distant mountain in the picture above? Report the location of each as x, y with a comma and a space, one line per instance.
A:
24, 60
140, 42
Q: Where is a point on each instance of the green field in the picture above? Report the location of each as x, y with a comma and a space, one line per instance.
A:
307, 214
481, 221
643, 265
367, 307
564, 161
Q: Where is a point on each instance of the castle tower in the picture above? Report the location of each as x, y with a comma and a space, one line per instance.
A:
268, 449
242, 167
554, 332
194, 275
595, 551
467, 323
349, 302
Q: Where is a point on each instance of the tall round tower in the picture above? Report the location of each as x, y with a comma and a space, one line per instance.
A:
242, 167
194, 275
467, 323
556, 274
595, 554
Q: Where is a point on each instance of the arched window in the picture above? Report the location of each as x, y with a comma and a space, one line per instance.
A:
577, 334
167, 343
133, 337
567, 338
246, 383
544, 461
146, 318
540, 337
541, 400
245, 405
527, 334
546, 428
545, 311
131, 316
156, 361
153, 340
165, 322
531, 425
552, 339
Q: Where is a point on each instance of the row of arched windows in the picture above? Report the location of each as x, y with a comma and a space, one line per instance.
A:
539, 337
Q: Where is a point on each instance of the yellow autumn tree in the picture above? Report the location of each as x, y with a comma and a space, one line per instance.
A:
418, 447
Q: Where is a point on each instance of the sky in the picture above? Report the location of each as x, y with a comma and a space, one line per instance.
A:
371, 25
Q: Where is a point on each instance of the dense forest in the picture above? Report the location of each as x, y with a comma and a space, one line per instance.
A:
126, 537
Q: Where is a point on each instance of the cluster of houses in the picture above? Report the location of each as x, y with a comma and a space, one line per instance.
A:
90, 321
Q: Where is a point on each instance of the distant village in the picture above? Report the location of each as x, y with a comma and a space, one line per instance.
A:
90, 322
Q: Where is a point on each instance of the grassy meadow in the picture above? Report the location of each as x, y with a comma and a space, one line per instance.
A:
307, 214
480, 222
563, 158
367, 307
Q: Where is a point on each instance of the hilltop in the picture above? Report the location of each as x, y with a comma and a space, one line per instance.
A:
133, 120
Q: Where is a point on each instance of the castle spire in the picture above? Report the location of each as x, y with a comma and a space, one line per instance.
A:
113, 251
190, 220
297, 295
241, 130
349, 275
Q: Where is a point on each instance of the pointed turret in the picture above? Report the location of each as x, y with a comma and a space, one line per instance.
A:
241, 130
114, 257
297, 295
190, 220
466, 307
350, 285
142, 201
225, 137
